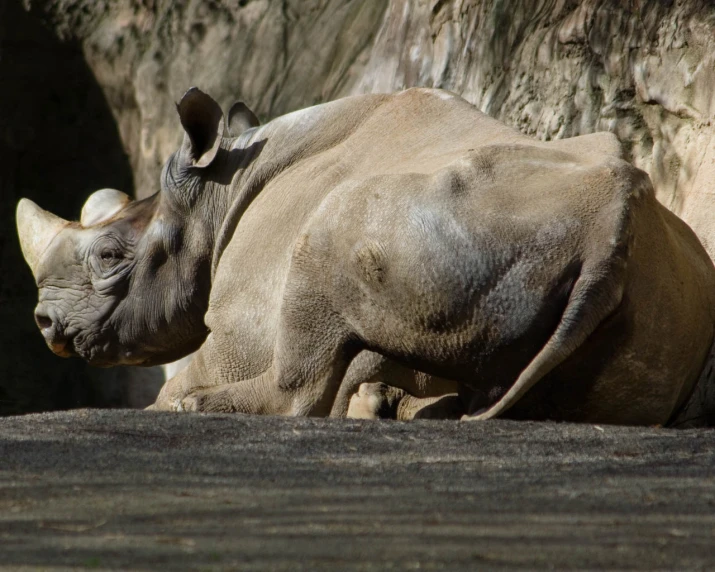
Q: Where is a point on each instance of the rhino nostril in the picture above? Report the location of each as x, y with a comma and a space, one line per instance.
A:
43, 321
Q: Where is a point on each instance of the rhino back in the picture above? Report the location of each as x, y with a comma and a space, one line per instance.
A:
509, 179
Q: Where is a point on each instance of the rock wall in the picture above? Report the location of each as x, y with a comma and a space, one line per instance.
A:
91, 91
644, 70
277, 55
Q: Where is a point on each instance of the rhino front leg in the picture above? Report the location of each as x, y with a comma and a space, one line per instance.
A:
190, 374
173, 392
303, 381
275, 392
241, 397
191, 390
311, 354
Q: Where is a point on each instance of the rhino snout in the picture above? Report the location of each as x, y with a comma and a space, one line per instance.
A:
56, 338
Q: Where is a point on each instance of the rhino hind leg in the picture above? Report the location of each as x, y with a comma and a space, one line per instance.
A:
699, 409
366, 368
388, 389
382, 401
595, 295
449, 406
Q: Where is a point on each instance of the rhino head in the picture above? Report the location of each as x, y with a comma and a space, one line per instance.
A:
129, 283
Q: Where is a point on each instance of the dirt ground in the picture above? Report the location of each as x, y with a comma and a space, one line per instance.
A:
120, 489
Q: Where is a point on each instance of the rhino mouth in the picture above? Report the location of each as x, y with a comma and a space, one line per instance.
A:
96, 357
88, 347
62, 349
104, 354
68, 343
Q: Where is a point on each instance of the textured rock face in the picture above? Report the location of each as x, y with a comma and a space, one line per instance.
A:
644, 70
275, 55
553, 68
99, 101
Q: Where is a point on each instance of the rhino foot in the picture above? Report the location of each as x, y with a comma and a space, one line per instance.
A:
179, 405
165, 405
217, 399
374, 401
365, 404
191, 402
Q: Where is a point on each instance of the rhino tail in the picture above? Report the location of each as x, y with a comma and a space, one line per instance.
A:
595, 295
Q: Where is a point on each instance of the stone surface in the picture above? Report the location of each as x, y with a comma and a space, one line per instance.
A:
142, 491
93, 85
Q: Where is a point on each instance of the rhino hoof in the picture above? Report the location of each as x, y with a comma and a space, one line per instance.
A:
189, 403
368, 402
178, 405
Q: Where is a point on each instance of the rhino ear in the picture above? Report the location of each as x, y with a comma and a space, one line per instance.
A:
203, 124
240, 118
102, 205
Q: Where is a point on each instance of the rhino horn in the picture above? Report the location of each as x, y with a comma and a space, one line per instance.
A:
36, 228
102, 205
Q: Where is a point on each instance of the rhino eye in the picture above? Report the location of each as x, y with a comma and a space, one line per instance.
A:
108, 255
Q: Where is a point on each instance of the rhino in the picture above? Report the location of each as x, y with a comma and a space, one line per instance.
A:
400, 239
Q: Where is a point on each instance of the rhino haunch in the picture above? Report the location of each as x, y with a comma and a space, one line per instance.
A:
406, 239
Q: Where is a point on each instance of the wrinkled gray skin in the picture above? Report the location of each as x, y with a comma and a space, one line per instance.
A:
374, 238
